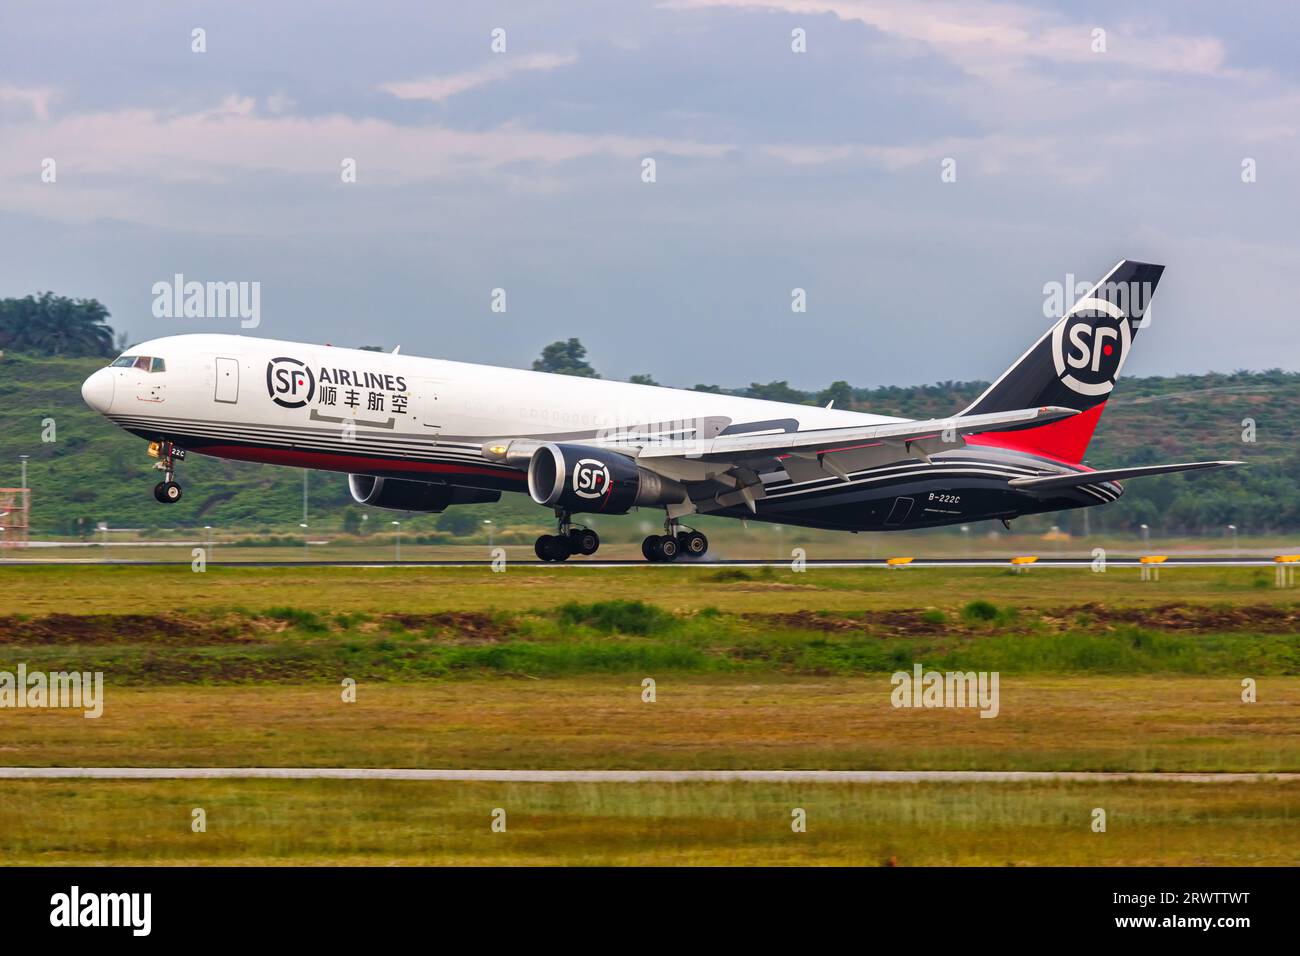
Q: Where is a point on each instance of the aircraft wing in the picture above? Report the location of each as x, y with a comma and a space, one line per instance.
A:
733, 463
1073, 479
827, 441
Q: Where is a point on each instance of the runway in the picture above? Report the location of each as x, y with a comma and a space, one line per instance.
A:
880, 563
627, 776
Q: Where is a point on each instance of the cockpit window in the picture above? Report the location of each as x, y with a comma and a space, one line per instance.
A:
145, 363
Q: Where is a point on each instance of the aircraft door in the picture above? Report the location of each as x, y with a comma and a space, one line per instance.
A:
430, 408
227, 388
902, 508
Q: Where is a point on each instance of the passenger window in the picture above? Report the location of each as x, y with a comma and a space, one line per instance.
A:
158, 365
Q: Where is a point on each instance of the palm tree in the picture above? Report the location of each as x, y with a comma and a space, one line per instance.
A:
55, 325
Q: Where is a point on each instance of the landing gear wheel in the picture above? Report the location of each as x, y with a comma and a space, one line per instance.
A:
692, 544
168, 492
583, 541
550, 547
660, 548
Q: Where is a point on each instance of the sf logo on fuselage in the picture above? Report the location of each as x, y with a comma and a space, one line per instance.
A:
289, 382
590, 478
1090, 346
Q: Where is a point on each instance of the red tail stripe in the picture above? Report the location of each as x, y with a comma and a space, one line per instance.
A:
1066, 440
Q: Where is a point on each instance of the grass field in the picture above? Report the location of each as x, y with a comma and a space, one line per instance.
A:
121, 590
1163, 723
542, 667
355, 822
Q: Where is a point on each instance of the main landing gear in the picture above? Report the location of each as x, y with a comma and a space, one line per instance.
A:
570, 541
674, 542
168, 491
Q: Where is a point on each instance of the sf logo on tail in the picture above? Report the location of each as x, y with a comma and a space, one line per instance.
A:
1089, 346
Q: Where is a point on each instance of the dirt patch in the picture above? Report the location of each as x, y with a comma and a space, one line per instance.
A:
181, 631
1185, 617
880, 623
772, 586
106, 629
468, 626
809, 621
919, 622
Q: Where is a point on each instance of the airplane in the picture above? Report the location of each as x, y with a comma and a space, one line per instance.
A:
422, 435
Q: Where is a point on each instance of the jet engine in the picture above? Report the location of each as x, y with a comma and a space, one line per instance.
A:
400, 494
579, 478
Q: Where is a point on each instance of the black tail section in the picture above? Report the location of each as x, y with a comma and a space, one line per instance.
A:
1075, 364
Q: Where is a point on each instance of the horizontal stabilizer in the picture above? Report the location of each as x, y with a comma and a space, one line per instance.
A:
1112, 474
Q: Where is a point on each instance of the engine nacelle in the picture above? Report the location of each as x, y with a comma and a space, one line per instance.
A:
400, 494
579, 478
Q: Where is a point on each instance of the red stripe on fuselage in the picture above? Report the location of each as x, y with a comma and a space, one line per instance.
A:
351, 463
1065, 440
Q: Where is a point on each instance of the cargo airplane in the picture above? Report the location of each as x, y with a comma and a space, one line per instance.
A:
419, 434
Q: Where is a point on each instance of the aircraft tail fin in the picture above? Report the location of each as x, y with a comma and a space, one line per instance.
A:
1075, 364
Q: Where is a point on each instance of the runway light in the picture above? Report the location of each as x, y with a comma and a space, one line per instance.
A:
1151, 566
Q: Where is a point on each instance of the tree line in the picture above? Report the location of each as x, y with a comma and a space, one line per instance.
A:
49, 324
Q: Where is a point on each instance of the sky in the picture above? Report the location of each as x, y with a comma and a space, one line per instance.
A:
923, 171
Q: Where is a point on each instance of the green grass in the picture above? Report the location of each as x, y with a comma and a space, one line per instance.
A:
384, 822
285, 644
617, 617
1156, 723
543, 668
118, 589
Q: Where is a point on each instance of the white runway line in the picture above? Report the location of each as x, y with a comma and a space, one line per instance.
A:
626, 776
596, 565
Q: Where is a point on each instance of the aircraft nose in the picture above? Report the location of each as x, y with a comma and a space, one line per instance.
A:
97, 391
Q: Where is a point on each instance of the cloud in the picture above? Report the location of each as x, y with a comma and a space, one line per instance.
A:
37, 100
436, 89
99, 152
984, 37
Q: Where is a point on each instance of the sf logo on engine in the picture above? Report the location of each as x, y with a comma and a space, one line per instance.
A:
1089, 347
590, 478
289, 382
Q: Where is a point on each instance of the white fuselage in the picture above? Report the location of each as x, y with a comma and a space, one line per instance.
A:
351, 410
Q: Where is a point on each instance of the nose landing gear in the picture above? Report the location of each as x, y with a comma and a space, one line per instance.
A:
168, 491
570, 541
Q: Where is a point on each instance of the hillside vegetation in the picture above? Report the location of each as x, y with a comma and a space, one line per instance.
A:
94, 472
